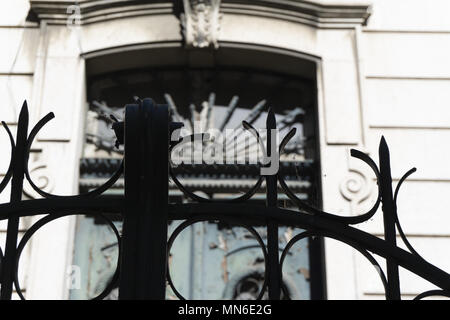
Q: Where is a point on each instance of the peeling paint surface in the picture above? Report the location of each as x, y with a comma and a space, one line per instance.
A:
231, 266
208, 260
96, 253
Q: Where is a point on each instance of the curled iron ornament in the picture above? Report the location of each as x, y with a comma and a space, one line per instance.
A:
369, 242
312, 210
193, 196
301, 204
308, 234
430, 293
93, 193
246, 196
397, 221
310, 218
247, 126
49, 218
194, 220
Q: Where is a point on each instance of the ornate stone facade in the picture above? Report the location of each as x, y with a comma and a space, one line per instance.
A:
201, 23
377, 69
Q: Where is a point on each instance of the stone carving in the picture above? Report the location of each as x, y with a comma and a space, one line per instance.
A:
356, 188
201, 23
40, 175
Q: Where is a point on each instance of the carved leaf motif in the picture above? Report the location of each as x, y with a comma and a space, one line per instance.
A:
201, 23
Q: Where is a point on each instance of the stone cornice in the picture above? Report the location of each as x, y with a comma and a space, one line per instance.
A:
92, 11
312, 12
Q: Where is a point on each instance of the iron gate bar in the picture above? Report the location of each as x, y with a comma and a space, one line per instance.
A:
143, 252
18, 170
272, 226
311, 234
258, 214
143, 265
47, 219
245, 225
389, 215
36, 207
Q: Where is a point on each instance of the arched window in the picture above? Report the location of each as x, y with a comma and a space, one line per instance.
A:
210, 90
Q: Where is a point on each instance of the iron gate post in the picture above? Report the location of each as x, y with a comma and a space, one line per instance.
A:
274, 273
18, 161
389, 207
144, 245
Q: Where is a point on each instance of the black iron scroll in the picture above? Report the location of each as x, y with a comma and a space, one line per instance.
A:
143, 246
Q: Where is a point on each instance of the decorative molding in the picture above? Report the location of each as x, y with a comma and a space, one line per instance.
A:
13, 73
92, 11
355, 188
200, 23
209, 184
41, 176
103, 168
412, 78
411, 31
312, 12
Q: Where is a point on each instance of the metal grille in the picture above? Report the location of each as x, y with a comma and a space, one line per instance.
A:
143, 269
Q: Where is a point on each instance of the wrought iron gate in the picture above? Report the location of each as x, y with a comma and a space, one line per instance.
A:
143, 267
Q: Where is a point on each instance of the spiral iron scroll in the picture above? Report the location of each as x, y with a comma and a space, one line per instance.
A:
53, 215
306, 208
93, 193
44, 221
302, 205
190, 222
